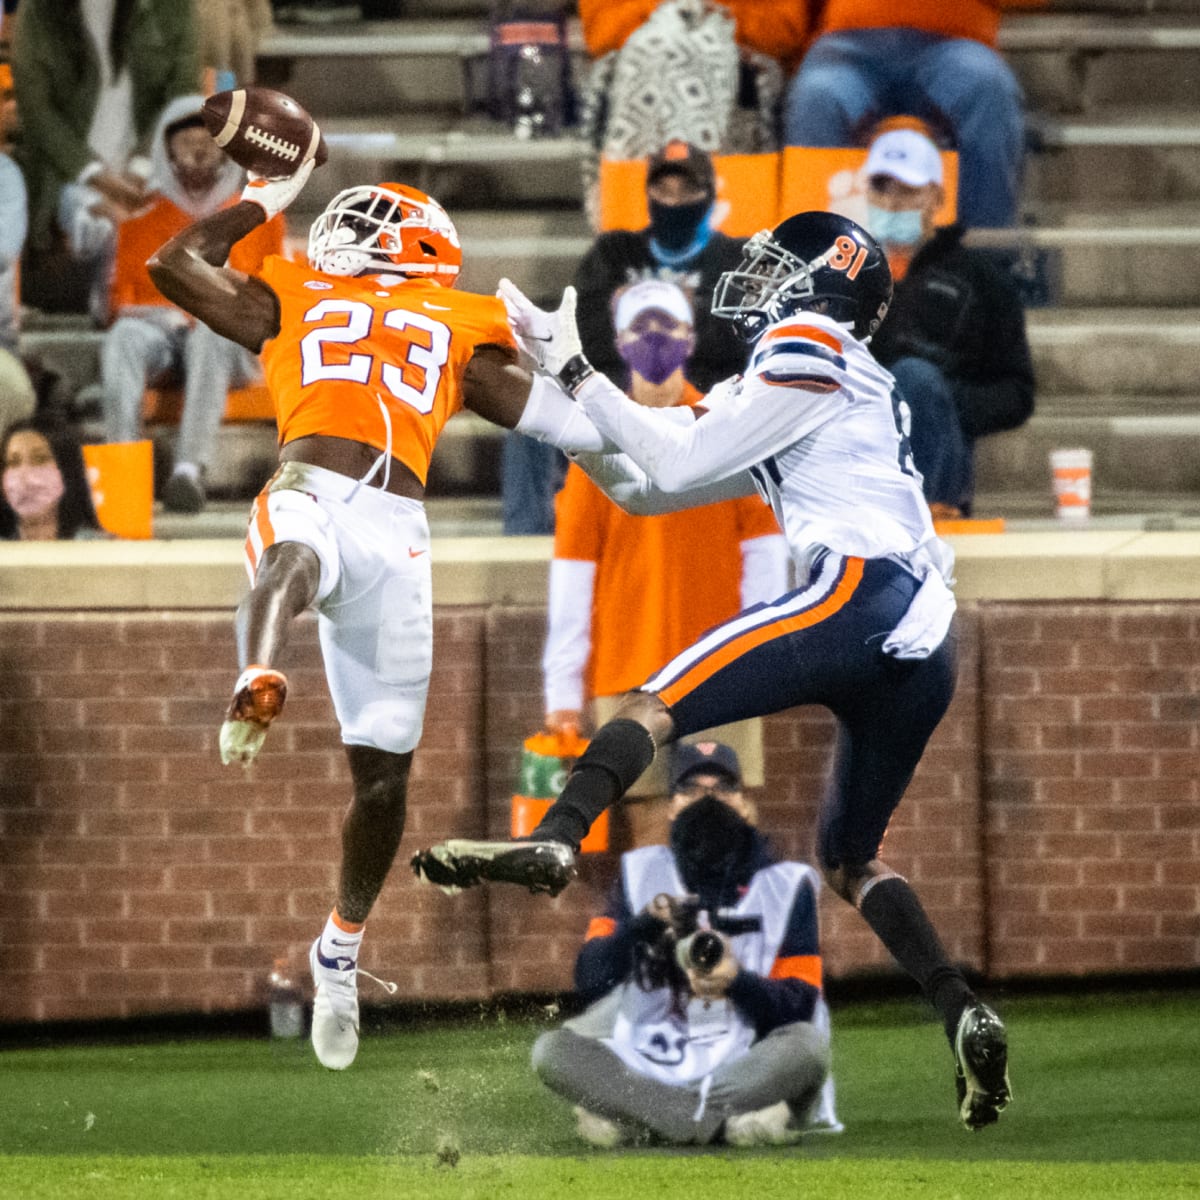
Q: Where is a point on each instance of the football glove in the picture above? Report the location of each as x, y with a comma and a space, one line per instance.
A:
274, 195
551, 339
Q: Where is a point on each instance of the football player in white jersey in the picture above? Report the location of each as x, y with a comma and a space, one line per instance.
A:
818, 428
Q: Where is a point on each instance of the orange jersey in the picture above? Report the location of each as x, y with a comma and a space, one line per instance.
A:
349, 350
143, 234
682, 572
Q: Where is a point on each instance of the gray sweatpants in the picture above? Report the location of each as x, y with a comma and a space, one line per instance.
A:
790, 1064
143, 348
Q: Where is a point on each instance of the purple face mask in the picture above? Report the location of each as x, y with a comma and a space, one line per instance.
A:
655, 355
31, 490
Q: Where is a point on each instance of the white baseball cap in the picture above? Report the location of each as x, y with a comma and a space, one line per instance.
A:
906, 155
652, 293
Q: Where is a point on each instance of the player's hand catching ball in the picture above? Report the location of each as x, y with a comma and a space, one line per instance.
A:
551, 339
274, 195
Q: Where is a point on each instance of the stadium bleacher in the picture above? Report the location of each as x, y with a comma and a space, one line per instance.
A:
1112, 184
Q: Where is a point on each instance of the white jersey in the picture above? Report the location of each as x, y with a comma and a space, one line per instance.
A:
848, 482
815, 422
674, 1045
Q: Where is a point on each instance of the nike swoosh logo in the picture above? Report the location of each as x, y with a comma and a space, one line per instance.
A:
414, 553
436, 307
533, 338
337, 943
336, 964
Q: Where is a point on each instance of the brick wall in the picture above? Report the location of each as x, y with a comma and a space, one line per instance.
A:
1052, 828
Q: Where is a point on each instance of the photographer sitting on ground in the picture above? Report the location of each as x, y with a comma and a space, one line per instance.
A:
706, 1022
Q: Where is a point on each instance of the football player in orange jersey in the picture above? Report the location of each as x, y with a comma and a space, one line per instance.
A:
367, 353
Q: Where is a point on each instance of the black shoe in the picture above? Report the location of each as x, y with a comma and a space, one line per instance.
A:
184, 493
457, 864
981, 1066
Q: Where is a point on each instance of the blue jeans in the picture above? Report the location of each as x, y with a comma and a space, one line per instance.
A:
850, 80
941, 451
531, 474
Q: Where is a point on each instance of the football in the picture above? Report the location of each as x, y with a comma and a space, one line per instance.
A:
264, 131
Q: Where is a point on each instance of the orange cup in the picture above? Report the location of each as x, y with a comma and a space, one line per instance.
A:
121, 477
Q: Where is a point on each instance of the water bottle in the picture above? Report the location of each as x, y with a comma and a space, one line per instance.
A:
285, 1003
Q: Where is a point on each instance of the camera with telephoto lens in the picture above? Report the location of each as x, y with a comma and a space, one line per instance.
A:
665, 949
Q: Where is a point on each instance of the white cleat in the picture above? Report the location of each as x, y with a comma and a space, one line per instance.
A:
762, 1127
596, 1130
335, 1009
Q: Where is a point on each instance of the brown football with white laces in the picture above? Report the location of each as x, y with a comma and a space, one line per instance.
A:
264, 131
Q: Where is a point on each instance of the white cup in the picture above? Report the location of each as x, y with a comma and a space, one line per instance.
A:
1071, 472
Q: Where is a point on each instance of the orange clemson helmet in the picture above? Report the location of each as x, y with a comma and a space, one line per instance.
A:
388, 227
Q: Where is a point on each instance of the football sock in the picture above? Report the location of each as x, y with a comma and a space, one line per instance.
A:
340, 939
892, 910
617, 755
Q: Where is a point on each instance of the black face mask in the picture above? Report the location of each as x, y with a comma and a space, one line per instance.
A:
675, 226
713, 848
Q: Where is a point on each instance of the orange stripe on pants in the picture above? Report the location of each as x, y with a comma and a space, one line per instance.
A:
753, 638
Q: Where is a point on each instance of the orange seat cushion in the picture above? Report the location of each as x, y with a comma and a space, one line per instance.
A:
164, 406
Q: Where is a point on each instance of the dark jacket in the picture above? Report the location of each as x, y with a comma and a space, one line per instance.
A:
956, 308
621, 257
56, 74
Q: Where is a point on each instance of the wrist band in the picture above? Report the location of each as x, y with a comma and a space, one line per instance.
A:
575, 371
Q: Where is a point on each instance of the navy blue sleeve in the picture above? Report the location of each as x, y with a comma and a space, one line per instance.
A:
790, 993
606, 957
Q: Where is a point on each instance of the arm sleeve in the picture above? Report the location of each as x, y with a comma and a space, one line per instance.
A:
749, 423
43, 125
607, 23
606, 957
764, 569
996, 392
627, 485
569, 633
791, 991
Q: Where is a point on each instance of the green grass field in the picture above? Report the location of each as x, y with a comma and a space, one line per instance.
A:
1107, 1105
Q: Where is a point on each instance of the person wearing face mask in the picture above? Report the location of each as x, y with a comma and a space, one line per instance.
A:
151, 341
45, 495
692, 572
679, 246
955, 335
717, 1041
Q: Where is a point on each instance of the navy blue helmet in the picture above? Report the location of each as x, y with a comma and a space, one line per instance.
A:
813, 262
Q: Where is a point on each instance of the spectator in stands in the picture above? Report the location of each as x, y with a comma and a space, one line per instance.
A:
731, 1051
43, 489
151, 341
707, 74
927, 59
691, 574
92, 76
954, 337
680, 246
17, 398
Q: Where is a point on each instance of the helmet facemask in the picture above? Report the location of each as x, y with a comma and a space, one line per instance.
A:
768, 278
387, 229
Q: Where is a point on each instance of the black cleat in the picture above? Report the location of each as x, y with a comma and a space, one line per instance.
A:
981, 1066
457, 864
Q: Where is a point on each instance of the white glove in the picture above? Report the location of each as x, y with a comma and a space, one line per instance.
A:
274, 195
549, 338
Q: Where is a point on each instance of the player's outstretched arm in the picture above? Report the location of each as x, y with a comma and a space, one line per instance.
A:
190, 269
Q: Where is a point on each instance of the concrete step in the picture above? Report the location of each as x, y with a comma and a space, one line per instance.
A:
1105, 351
1149, 453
